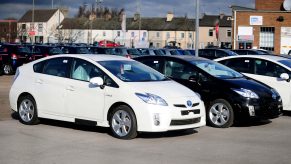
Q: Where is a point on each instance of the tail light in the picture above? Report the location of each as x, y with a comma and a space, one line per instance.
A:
128, 56
5, 50
14, 57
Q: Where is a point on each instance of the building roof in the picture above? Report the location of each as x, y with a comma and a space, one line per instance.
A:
241, 8
212, 20
42, 15
153, 24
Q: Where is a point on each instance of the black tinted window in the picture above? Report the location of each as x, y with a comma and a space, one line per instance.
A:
267, 68
220, 53
57, 67
155, 64
179, 70
38, 67
240, 65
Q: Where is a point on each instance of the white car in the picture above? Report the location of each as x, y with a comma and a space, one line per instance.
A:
272, 70
104, 90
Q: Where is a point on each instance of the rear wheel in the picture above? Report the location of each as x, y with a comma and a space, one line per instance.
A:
123, 122
7, 69
27, 110
220, 114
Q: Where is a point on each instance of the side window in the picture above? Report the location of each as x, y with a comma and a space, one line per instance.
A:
208, 53
155, 64
38, 67
267, 68
83, 70
240, 65
57, 67
179, 70
220, 53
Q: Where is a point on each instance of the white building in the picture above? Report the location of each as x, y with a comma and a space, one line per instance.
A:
40, 26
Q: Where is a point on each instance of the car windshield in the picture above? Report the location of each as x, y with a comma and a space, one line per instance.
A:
231, 53
215, 69
132, 71
55, 50
24, 50
286, 62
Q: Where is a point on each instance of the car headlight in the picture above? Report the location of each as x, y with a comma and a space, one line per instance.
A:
246, 93
152, 99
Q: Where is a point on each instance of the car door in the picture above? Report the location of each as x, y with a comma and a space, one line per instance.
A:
188, 75
51, 77
82, 99
269, 73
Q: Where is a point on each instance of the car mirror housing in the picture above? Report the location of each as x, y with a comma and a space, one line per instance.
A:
285, 76
98, 81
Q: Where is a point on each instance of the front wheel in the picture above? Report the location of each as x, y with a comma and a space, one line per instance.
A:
27, 110
123, 123
220, 114
7, 69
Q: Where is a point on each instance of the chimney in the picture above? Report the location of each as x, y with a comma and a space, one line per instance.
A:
221, 15
170, 16
136, 16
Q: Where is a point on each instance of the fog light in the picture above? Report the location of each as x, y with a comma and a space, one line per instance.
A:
251, 110
156, 119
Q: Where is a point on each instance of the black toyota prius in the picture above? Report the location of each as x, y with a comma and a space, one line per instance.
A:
227, 94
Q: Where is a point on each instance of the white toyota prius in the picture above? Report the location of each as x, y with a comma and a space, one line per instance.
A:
104, 90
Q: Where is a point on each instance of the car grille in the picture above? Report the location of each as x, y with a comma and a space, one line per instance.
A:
186, 112
184, 106
185, 122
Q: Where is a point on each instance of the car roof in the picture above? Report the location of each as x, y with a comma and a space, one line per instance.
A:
183, 57
270, 57
94, 57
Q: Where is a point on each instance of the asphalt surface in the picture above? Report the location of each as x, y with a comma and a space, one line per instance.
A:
56, 142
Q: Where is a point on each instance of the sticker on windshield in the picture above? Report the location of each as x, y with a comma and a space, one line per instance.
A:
156, 62
127, 67
65, 61
247, 61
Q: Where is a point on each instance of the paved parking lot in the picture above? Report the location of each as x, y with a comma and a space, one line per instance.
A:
265, 142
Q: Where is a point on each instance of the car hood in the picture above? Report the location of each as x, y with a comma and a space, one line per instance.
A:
165, 89
247, 83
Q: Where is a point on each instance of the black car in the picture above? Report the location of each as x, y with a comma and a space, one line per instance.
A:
126, 52
1, 66
13, 56
227, 94
102, 50
73, 49
252, 52
213, 53
40, 51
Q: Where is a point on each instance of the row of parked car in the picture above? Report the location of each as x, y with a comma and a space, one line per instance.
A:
132, 101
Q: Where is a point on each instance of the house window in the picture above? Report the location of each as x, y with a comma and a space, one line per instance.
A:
104, 33
158, 45
144, 34
182, 35
132, 34
228, 33
23, 26
190, 35
158, 34
32, 26
210, 33
118, 33
168, 35
40, 27
267, 37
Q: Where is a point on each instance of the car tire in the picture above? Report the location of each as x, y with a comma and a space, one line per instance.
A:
7, 69
220, 114
27, 110
123, 122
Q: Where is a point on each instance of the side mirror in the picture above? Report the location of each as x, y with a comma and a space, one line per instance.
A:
97, 81
285, 76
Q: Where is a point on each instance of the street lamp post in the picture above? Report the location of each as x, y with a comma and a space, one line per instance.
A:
197, 29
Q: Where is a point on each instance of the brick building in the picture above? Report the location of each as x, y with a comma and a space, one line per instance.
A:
267, 26
8, 30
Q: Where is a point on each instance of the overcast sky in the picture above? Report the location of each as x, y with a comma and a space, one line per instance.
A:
149, 8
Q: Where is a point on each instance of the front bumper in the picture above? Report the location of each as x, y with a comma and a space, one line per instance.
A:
157, 118
266, 108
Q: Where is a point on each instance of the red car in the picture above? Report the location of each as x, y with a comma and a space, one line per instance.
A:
107, 43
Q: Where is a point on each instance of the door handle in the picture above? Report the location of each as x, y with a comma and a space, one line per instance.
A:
70, 88
39, 81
